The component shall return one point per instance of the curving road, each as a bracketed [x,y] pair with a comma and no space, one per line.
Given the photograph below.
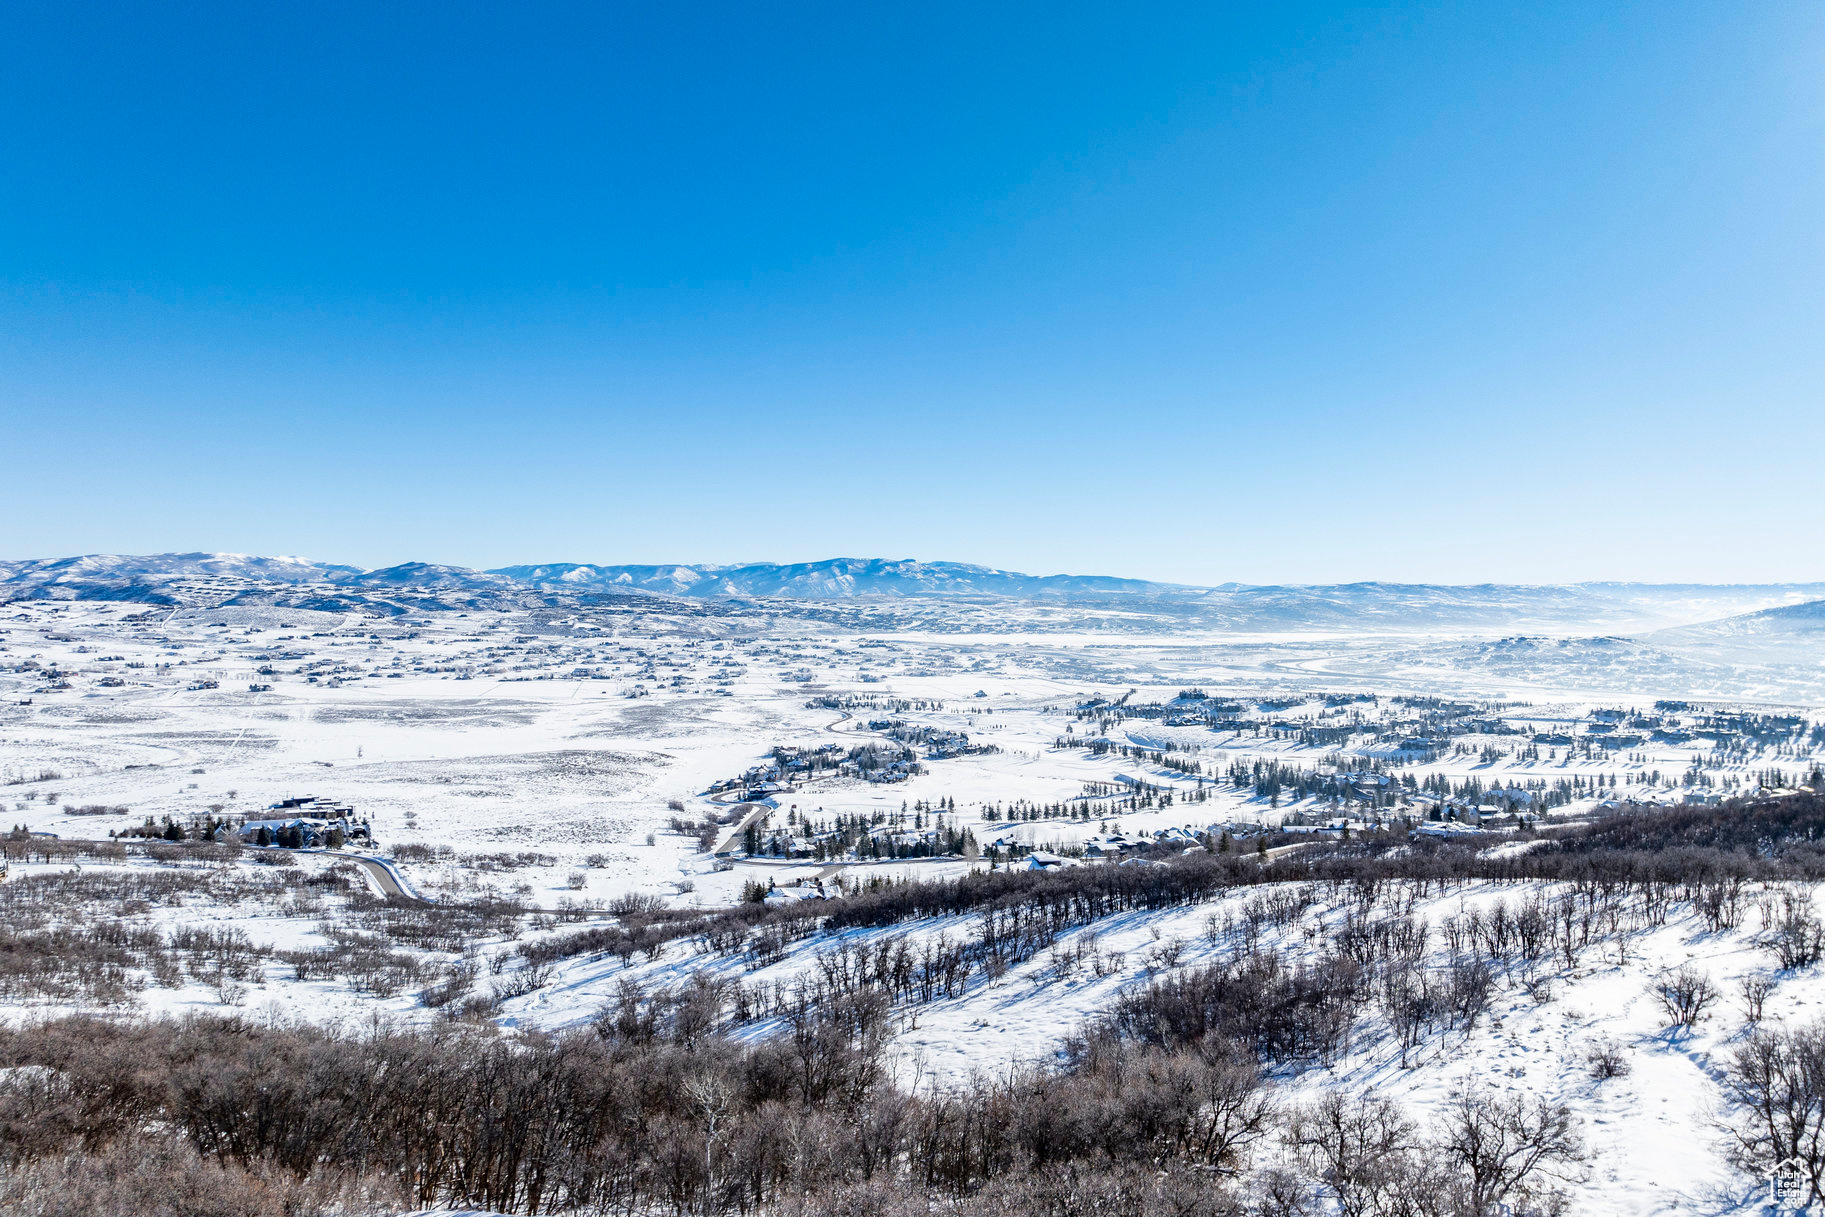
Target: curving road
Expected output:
[389,885]
[755,812]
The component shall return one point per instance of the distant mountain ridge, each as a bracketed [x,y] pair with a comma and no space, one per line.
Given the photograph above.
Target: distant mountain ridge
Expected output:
[212,579]
[833,578]
[105,568]
[1806,619]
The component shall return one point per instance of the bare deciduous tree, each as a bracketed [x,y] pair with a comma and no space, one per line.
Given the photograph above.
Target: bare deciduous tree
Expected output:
[1509,1147]
[709,1096]
[1777,1081]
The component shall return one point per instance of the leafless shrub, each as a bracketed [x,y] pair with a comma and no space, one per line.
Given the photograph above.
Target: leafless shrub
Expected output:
[634,904]
[1754,989]
[521,981]
[43,775]
[1167,955]
[1685,994]
[1607,1059]
[1411,1002]
[447,926]
[475,1007]
[1468,985]
[411,852]
[1796,936]
[366,962]
[164,1177]
[457,979]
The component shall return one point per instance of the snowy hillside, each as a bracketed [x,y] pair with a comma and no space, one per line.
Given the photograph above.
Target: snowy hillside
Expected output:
[1533,977]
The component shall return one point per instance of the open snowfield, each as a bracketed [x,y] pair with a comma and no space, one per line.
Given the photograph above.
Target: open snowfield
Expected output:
[562,760]
[570,734]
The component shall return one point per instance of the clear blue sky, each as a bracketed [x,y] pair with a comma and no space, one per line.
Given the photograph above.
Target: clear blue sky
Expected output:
[1277,292]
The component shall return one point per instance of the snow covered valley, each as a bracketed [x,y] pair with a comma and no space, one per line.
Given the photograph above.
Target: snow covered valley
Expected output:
[926,871]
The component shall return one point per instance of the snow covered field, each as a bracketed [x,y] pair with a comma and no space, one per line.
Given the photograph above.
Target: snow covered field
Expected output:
[570,735]
[564,762]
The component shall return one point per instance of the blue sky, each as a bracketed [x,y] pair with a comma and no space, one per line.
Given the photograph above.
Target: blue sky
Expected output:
[1313,293]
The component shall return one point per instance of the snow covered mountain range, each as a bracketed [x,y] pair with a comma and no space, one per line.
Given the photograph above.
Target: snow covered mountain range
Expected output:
[1719,614]
[837,578]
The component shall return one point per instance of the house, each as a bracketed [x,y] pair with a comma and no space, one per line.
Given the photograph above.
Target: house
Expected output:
[1111,844]
[311,832]
[1333,829]
[781,896]
[1443,829]
[311,805]
[311,818]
